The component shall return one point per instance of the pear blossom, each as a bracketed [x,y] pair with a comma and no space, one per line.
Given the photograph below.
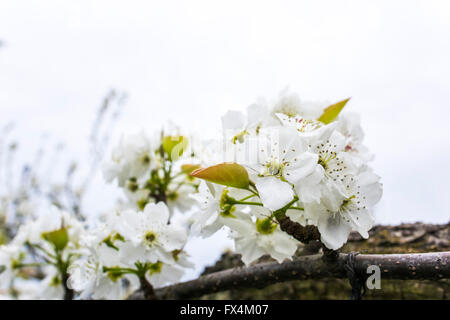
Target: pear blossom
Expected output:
[254,239]
[153,170]
[290,159]
[130,240]
[47,244]
[149,234]
[305,163]
[334,166]
[11,256]
[281,163]
[353,213]
[131,158]
[162,274]
[88,274]
[88,278]
[287,103]
[213,209]
[208,198]
[50,288]
[299,123]
[33,231]
[237,125]
[349,125]
[290,104]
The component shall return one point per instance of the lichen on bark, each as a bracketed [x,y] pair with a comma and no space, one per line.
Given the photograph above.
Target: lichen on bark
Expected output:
[404,238]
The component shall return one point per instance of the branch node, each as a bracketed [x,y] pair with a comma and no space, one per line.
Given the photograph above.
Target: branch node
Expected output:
[357,283]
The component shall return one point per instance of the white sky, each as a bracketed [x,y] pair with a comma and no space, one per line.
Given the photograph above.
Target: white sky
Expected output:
[190,61]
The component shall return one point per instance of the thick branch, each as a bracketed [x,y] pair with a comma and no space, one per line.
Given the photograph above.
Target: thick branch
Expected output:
[430,266]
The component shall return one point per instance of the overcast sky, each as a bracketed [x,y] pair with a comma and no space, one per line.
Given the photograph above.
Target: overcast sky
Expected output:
[190,61]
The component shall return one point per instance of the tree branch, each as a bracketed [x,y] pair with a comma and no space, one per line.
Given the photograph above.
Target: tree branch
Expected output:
[147,289]
[299,232]
[430,266]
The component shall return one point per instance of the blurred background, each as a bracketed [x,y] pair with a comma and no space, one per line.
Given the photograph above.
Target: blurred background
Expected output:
[190,61]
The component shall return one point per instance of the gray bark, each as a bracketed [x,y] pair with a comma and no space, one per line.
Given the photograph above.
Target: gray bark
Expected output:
[418,266]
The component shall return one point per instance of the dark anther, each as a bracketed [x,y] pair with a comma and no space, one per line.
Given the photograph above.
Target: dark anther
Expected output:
[357,283]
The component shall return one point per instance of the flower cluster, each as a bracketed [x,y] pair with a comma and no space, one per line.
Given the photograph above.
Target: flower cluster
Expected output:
[308,171]
[34,264]
[139,243]
[133,246]
[290,172]
[153,170]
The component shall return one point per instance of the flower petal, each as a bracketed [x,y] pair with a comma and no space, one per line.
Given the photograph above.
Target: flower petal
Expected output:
[333,231]
[300,167]
[173,237]
[273,192]
[157,213]
[249,249]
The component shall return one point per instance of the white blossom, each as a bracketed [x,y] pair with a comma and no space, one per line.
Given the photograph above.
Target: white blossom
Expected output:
[131,158]
[208,219]
[254,239]
[353,213]
[281,163]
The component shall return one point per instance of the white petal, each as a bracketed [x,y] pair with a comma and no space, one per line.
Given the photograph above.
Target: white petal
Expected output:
[273,192]
[260,212]
[158,212]
[332,196]
[313,212]
[210,229]
[256,114]
[300,167]
[242,227]
[309,194]
[370,187]
[130,253]
[319,135]
[309,188]
[285,245]
[361,221]
[287,120]
[249,250]
[130,224]
[173,237]
[290,141]
[337,141]
[333,231]
[203,218]
[297,216]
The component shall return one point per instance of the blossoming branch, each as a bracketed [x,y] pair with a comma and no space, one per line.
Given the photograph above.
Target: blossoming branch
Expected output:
[281,175]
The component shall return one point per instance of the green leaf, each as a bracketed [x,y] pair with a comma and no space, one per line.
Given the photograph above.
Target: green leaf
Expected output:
[2,268]
[59,238]
[3,237]
[331,112]
[174,146]
[227,174]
